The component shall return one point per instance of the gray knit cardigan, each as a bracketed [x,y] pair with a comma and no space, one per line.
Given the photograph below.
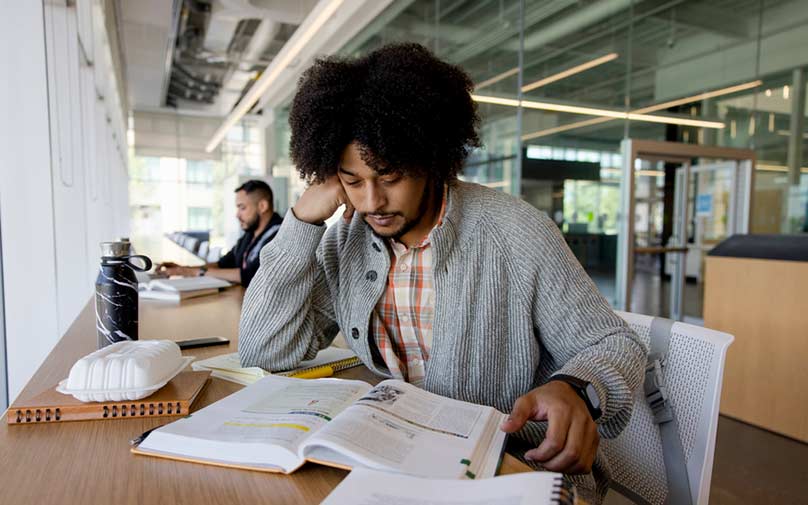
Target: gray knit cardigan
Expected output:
[512,307]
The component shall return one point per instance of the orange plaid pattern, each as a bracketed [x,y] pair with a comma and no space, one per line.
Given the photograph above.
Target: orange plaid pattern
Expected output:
[402,318]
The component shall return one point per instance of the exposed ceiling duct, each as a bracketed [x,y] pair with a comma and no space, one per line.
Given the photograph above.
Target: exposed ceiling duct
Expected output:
[223,46]
[242,73]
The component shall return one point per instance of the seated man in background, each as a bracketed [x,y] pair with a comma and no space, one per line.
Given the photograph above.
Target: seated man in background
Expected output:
[462,290]
[255,212]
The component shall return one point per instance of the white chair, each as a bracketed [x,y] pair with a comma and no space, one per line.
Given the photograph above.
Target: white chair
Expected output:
[214,254]
[693,372]
[191,243]
[202,252]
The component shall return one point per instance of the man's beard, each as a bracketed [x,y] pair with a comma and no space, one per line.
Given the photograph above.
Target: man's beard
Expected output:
[251,226]
[423,207]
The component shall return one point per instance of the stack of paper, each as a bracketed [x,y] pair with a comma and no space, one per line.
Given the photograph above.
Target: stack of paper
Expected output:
[181,288]
[228,366]
[373,487]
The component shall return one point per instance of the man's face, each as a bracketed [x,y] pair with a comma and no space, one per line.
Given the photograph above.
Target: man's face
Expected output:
[392,204]
[246,211]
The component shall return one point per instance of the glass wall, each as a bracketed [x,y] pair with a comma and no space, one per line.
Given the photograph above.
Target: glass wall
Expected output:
[560,83]
[168,194]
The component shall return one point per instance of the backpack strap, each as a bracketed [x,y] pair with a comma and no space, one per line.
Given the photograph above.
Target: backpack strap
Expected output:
[656,394]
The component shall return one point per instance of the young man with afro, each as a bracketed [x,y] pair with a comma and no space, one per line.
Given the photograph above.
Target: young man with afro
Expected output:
[465,291]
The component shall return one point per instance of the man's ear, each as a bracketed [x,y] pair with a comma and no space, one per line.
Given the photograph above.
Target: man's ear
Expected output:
[263,207]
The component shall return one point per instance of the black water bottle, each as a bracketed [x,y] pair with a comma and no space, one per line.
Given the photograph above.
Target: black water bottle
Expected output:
[116,293]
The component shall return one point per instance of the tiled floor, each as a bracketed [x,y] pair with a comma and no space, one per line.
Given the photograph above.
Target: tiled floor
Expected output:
[756,466]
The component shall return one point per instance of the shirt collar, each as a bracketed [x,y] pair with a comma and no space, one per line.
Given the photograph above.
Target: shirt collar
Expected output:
[400,248]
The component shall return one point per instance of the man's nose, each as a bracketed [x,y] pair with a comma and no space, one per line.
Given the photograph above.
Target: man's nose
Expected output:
[375,198]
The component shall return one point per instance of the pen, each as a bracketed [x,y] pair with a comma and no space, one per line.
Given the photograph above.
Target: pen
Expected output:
[139,439]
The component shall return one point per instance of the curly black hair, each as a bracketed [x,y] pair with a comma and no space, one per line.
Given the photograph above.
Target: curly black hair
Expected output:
[410,113]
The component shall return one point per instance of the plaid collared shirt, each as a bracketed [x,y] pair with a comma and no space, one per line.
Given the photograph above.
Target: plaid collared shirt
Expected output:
[402,319]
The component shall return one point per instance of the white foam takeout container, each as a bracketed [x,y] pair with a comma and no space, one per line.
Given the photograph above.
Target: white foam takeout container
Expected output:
[124,371]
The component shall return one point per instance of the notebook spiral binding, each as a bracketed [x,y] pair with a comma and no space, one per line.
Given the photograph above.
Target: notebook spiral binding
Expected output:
[132,410]
[37,415]
[563,492]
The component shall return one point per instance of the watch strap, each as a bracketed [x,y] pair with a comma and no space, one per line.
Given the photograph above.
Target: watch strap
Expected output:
[579,386]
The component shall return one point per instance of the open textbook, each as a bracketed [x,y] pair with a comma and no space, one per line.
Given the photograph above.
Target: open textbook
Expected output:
[279,423]
[372,487]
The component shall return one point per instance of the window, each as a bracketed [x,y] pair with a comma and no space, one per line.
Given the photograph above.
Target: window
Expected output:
[199,218]
[200,172]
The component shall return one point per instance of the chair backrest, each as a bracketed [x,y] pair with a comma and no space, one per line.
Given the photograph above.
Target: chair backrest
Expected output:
[693,372]
[214,254]
[191,243]
[202,252]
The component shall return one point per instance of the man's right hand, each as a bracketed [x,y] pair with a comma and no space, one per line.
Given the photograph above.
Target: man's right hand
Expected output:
[320,201]
[167,269]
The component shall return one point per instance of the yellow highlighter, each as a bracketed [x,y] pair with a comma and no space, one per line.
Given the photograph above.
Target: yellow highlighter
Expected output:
[314,373]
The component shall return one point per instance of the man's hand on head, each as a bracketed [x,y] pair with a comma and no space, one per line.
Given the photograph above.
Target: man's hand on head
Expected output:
[320,201]
[167,269]
[572,438]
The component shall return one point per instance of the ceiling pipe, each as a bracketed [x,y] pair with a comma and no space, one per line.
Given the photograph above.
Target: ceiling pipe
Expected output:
[234,85]
[575,22]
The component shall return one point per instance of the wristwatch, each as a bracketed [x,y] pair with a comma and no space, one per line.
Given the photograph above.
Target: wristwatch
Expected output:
[585,390]
[202,270]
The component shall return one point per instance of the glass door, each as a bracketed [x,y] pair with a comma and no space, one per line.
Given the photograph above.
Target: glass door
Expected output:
[710,202]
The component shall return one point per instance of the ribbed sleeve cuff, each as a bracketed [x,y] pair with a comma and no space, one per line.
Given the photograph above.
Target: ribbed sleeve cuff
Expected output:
[613,393]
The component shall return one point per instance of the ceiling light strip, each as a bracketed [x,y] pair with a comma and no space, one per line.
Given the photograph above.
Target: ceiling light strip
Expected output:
[497,78]
[570,71]
[651,108]
[591,111]
[563,128]
[701,96]
[289,52]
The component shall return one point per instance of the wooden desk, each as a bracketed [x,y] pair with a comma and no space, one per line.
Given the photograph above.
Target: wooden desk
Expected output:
[161,248]
[89,462]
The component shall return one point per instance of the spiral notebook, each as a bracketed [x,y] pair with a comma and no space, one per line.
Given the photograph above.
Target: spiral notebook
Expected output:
[374,487]
[173,399]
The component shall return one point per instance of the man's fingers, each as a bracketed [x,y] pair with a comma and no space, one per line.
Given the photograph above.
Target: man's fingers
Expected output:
[342,197]
[523,409]
[349,210]
[558,427]
[577,454]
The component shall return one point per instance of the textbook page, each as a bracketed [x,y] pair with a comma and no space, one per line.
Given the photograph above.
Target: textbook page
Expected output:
[399,427]
[262,425]
[372,487]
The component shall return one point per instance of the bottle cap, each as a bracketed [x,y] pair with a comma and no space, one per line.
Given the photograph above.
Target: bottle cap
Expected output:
[114,249]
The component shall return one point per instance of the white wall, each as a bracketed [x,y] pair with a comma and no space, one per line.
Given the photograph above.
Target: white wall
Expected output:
[63,170]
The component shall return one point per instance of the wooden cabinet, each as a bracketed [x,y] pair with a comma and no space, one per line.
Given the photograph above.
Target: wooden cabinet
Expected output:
[764,303]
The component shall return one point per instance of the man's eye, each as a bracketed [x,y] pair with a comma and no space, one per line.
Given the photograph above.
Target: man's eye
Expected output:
[392,180]
[352,183]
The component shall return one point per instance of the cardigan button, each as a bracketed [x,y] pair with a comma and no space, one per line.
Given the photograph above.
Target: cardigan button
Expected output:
[355,332]
[371,276]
